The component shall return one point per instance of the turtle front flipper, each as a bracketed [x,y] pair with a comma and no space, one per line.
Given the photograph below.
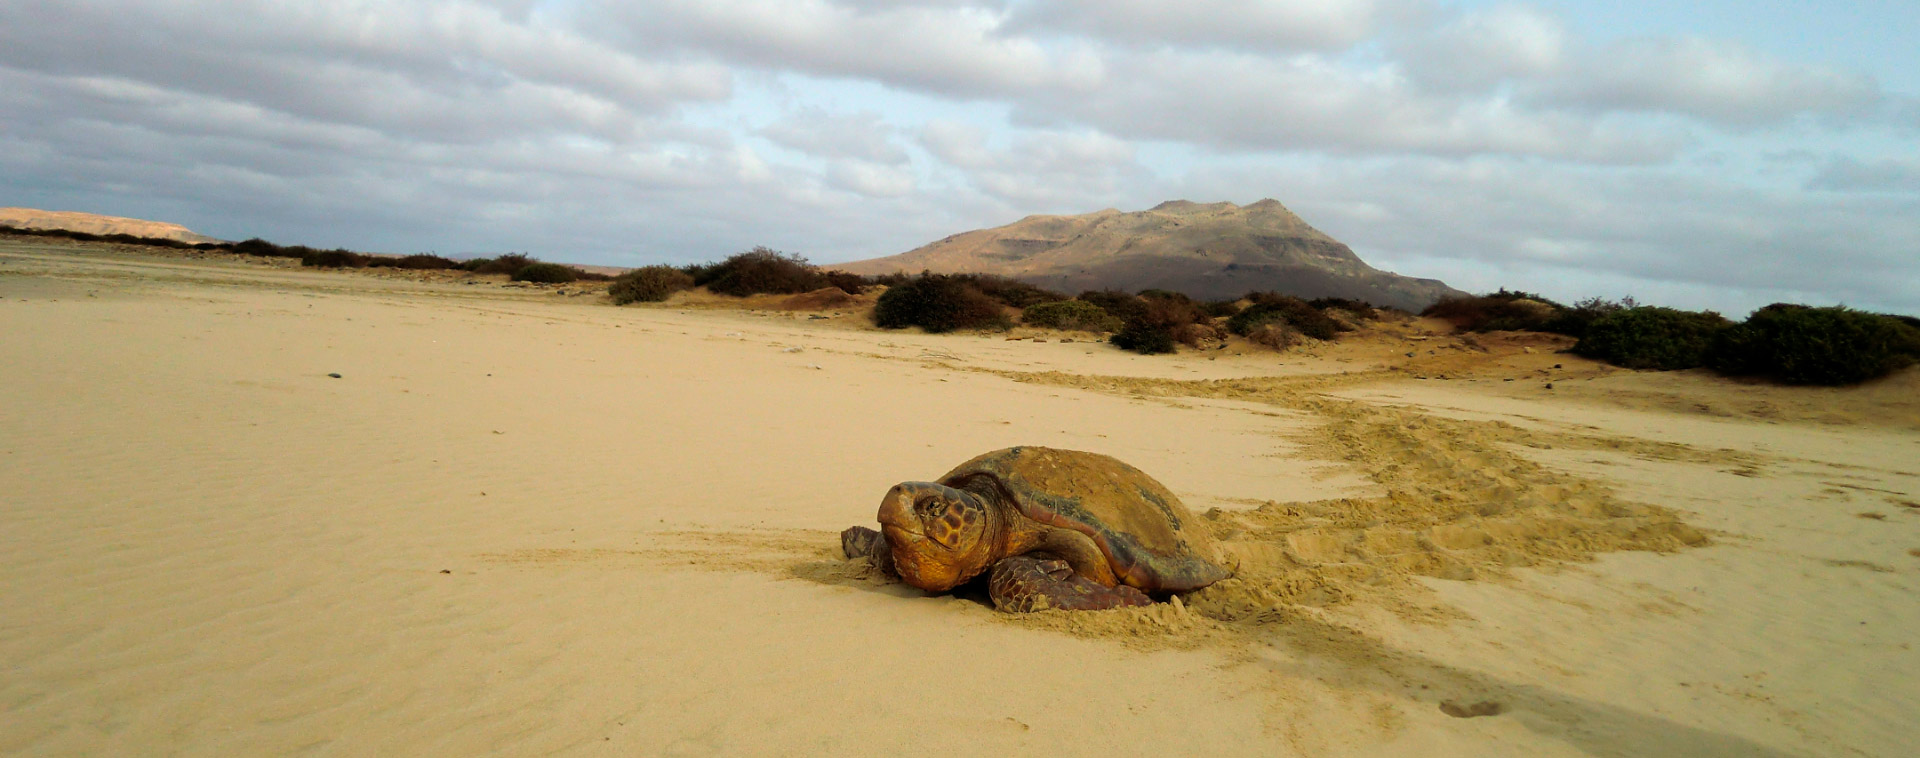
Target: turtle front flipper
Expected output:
[861,542]
[1024,583]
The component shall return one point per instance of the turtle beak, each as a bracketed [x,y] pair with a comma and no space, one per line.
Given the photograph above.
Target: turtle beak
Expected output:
[896,511]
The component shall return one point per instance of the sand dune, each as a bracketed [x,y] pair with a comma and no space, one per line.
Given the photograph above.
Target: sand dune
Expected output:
[526,523]
[94,223]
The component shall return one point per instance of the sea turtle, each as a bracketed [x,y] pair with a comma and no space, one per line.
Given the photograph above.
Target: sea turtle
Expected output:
[1057,529]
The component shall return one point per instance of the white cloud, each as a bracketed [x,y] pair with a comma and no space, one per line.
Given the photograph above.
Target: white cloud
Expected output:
[1722,82]
[1482,49]
[1246,102]
[1719,81]
[815,131]
[870,179]
[1884,175]
[945,48]
[1050,170]
[1283,25]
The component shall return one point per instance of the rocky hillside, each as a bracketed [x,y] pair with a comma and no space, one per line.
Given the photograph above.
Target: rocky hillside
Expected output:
[1209,251]
[29,218]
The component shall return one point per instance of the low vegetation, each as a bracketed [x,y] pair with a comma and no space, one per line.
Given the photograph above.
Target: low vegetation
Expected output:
[1271,308]
[1783,342]
[333,259]
[938,303]
[1500,311]
[1793,344]
[648,284]
[1797,344]
[1651,338]
[1077,315]
[546,273]
[759,271]
[419,262]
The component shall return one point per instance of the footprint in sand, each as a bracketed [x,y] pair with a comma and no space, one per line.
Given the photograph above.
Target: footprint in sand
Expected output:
[1482,708]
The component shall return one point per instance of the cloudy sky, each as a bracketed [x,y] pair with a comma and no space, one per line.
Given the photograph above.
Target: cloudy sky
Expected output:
[1715,153]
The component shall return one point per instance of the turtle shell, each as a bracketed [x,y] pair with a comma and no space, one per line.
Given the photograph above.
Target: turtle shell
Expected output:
[1150,539]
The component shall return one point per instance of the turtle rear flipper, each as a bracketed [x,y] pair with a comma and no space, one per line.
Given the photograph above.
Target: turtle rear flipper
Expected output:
[1035,582]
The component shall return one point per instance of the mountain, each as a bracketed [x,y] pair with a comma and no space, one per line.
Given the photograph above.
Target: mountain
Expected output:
[1209,251]
[29,218]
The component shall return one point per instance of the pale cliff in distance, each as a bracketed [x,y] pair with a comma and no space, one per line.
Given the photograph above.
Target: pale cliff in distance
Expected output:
[1208,251]
[91,223]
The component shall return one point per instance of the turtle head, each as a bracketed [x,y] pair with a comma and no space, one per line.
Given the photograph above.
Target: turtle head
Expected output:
[940,535]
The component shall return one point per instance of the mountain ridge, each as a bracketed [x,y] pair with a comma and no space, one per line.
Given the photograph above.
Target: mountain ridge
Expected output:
[1207,250]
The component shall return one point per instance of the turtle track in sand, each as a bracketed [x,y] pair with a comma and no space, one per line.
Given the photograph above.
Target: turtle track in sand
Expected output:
[1455,501]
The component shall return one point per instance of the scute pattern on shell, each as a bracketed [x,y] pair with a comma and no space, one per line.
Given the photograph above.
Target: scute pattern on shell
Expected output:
[1150,539]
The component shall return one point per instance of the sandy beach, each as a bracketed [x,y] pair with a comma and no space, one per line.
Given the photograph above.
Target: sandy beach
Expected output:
[525,522]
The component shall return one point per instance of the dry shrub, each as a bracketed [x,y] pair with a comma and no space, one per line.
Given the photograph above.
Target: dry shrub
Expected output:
[1500,311]
[505,264]
[1010,292]
[852,284]
[333,259]
[265,249]
[648,284]
[1195,335]
[938,303]
[1144,338]
[1361,309]
[1163,319]
[1275,335]
[760,271]
[1269,308]
[418,262]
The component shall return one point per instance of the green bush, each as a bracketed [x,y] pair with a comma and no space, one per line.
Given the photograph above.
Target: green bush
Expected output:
[333,259]
[1071,314]
[1268,308]
[760,271]
[1575,321]
[546,273]
[1797,344]
[938,303]
[648,284]
[1120,305]
[1652,338]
